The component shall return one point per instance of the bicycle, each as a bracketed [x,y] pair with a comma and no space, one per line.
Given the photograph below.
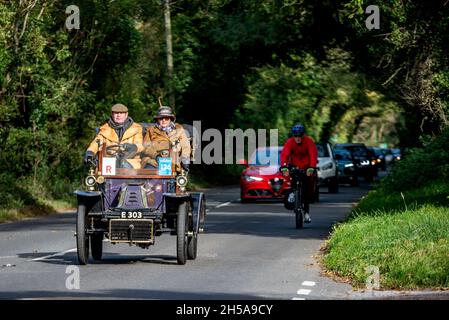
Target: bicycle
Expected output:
[298,190]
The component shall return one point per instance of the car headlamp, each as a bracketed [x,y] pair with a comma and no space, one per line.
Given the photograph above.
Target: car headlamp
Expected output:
[181,181]
[90,181]
[252,178]
[327,166]
[365,163]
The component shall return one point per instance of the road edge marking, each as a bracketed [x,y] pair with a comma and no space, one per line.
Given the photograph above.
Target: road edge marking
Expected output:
[304,291]
[54,255]
[222,205]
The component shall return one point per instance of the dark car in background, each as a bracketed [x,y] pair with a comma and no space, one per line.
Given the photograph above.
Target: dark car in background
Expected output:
[261,179]
[347,173]
[362,158]
[397,154]
[379,157]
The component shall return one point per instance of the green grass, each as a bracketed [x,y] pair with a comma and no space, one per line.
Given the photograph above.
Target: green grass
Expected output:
[410,248]
[381,202]
[24,198]
[40,208]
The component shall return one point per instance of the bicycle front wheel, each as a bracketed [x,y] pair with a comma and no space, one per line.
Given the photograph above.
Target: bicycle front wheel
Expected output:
[299,211]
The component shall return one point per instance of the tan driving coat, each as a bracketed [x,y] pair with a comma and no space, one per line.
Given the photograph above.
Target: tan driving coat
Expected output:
[107,136]
[156,140]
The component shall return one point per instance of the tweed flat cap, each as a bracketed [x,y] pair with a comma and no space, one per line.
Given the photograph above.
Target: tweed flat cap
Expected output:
[119,108]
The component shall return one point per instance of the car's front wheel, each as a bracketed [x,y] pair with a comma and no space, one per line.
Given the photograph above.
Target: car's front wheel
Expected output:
[181,232]
[82,239]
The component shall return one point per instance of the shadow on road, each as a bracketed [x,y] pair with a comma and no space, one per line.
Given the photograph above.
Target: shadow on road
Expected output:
[70,258]
[126,294]
[53,221]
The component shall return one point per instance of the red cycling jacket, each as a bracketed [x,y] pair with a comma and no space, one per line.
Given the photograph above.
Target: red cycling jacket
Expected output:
[303,156]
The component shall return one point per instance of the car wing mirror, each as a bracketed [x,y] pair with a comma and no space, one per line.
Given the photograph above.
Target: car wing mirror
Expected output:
[243,162]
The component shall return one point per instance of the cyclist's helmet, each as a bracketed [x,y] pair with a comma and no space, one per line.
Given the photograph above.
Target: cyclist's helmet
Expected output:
[298,130]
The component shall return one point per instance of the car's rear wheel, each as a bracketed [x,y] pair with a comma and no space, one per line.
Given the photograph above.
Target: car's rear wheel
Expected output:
[192,246]
[202,215]
[82,239]
[181,228]
[96,245]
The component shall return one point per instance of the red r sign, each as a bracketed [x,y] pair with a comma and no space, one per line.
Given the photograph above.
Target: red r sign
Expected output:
[109,169]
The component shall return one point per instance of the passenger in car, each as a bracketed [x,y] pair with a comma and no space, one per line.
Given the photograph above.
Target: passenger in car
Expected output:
[166,135]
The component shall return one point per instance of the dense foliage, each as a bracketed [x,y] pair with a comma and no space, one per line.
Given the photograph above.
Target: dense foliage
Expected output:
[259,64]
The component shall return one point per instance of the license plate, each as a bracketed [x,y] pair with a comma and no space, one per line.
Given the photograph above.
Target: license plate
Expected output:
[131,215]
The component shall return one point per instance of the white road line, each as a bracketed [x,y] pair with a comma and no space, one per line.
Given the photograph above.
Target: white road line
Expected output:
[54,255]
[8,257]
[298,298]
[222,205]
[308,283]
[304,291]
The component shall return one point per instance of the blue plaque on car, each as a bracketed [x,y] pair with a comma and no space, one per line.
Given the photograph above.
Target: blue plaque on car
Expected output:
[164,166]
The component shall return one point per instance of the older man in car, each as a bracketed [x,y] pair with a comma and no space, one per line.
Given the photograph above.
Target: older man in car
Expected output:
[120,131]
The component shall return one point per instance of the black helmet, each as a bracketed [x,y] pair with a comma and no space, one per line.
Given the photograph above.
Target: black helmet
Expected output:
[298,130]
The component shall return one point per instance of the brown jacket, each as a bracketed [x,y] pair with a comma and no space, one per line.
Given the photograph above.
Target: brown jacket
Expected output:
[156,140]
[108,136]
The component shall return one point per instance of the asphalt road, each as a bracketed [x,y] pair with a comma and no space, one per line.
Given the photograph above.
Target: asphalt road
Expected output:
[247,251]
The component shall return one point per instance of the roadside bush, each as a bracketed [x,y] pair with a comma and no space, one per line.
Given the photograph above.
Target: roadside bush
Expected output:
[420,166]
[17,200]
[12,194]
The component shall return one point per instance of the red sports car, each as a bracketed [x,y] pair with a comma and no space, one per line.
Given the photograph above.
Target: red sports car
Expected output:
[261,179]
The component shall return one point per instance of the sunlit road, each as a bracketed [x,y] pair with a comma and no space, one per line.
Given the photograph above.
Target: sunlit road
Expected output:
[247,251]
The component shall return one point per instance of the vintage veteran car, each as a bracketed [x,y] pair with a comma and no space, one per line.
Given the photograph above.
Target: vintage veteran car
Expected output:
[125,203]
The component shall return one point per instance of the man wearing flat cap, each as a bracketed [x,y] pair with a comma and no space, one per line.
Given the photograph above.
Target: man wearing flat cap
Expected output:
[119,130]
[166,134]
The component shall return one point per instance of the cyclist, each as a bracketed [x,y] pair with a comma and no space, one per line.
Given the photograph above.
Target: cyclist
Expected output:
[300,151]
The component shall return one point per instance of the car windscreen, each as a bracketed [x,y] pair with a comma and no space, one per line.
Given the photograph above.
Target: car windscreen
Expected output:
[345,154]
[137,160]
[360,153]
[266,157]
[323,151]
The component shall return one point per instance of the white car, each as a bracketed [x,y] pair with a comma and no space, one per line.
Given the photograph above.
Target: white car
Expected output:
[327,167]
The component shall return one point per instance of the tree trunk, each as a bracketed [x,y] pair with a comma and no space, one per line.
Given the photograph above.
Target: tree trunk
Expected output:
[168,41]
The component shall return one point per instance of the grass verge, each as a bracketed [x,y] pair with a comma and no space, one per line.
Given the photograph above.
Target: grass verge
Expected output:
[25,198]
[410,248]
